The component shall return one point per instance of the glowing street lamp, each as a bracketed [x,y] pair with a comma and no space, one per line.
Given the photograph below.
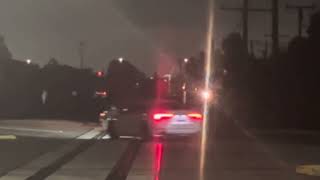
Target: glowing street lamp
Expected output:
[120,59]
[186,60]
[28,61]
[206,95]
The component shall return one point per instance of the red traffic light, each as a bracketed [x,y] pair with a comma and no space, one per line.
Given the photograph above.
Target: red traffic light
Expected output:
[100,74]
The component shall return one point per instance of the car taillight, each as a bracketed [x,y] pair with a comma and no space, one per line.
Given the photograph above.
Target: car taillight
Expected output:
[102,114]
[162,116]
[195,116]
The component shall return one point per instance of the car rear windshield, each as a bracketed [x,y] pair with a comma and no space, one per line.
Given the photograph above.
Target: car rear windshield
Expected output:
[172,105]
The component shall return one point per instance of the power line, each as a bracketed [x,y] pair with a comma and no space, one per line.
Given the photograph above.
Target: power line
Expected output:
[245,15]
[300,14]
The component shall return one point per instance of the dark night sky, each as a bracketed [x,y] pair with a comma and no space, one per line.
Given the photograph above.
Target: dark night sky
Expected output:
[150,33]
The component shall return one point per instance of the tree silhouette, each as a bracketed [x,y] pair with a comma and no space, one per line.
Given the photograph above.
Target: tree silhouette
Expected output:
[53,61]
[235,54]
[236,61]
[5,54]
[314,28]
[122,78]
[297,44]
[195,68]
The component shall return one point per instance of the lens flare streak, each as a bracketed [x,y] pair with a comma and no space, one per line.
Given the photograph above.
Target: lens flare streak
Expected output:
[208,60]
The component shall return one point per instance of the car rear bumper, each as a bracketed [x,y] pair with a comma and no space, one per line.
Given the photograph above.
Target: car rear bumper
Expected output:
[180,136]
[166,132]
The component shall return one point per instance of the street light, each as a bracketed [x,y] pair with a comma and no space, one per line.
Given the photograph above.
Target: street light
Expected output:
[184,86]
[28,61]
[186,60]
[120,59]
[206,95]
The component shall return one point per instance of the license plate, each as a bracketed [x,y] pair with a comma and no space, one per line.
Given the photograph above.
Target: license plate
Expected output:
[181,120]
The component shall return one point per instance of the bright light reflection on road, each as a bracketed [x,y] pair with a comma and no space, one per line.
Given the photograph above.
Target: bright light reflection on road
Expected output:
[158,147]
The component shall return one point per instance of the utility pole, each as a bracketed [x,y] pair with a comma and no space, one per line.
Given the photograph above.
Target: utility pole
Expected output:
[300,10]
[275,27]
[245,15]
[252,48]
[82,47]
[266,50]
[275,22]
[245,24]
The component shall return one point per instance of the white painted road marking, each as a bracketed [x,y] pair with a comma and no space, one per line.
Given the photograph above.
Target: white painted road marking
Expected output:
[8,137]
[48,158]
[29,129]
[107,136]
[130,137]
[90,134]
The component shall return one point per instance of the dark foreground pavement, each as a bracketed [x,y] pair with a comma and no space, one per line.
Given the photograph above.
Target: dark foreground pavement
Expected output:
[33,138]
[15,153]
[62,150]
[231,153]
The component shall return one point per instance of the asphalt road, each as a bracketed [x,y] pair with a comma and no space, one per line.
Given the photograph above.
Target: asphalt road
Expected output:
[231,152]
[15,153]
[32,139]
[69,150]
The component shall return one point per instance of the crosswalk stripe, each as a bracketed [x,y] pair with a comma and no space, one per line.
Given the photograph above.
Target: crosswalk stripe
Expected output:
[8,137]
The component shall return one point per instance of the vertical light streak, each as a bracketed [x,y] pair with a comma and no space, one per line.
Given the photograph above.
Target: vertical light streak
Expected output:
[208,61]
[158,160]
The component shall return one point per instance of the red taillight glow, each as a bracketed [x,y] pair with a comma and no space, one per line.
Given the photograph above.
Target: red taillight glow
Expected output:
[99,74]
[101,93]
[158,159]
[161,116]
[195,116]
